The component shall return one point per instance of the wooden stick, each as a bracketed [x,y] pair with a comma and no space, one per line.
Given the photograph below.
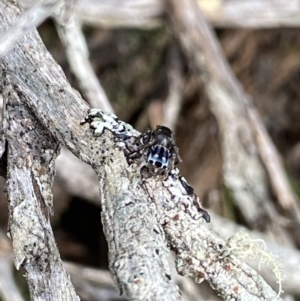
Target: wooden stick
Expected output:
[140,216]
[220,13]
[77,53]
[243,173]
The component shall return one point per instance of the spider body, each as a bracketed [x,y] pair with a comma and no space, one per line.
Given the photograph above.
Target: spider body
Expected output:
[160,151]
[159,156]
[155,152]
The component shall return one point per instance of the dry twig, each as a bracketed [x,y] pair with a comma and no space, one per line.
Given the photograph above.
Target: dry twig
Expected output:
[277,175]
[77,52]
[30,177]
[243,172]
[139,216]
[141,14]
[26,22]
[220,13]
[174,100]
[137,271]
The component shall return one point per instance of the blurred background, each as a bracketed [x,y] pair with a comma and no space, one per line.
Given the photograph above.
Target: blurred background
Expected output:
[135,65]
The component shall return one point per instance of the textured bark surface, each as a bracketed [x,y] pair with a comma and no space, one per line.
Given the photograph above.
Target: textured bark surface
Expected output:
[34,75]
[140,216]
[137,247]
[220,13]
[243,172]
[241,165]
[78,56]
[31,156]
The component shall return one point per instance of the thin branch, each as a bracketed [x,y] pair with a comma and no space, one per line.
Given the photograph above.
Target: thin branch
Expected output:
[288,258]
[199,249]
[93,284]
[26,22]
[100,277]
[140,14]
[150,13]
[220,13]
[30,177]
[138,270]
[251,13]
[243,172]
[139,216]
[77,52]
[85,185]
[174,100]
[81,181]
[272,161]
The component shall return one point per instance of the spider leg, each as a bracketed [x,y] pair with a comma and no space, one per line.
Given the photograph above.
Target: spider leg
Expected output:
[177,159]
[137,152]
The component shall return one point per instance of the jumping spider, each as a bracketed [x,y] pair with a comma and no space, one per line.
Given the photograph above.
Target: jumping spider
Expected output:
[159,150]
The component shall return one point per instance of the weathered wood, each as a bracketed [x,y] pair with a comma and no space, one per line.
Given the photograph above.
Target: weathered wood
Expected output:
[31,155]
[72,37]
[140,14]
[138,270]
[288,258]
[199,249]
[33,17]
[220,13]
[174,99]
[140,216]
[243,173]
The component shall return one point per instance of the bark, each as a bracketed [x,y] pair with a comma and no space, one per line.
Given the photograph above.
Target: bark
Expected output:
[30,174]
[243,173]
[220,13]
[174,99]
[140,216]
[288,258]
[77,53]
[137,268]
[26,21]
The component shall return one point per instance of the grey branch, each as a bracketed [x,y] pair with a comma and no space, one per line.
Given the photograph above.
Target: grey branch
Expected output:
[141,13]
[140,217]
[220,13]
[271,158]
[29,183]
[174,100]
[288,257]
[144,275]
[94,284]
[27,21]
[73,39]
[243,173]
[83,183]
